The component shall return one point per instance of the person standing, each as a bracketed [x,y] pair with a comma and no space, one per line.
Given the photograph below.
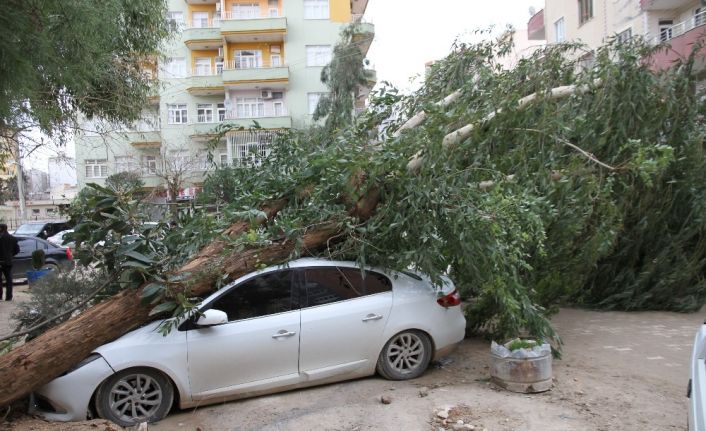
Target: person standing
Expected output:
[8,248]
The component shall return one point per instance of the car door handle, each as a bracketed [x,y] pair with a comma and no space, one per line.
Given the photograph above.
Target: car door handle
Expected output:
[372,316]
[283,333]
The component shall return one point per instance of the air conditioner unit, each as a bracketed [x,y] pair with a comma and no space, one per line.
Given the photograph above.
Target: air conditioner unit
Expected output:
[266,94]
[275,48]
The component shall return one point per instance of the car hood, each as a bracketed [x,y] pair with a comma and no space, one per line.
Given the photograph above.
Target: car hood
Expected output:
[144,335]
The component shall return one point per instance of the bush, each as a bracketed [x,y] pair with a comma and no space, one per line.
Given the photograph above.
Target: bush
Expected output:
[54,294]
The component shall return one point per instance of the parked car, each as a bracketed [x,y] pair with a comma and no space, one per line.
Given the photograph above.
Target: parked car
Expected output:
[41,229]
[307,323]
[696,390]
[58,238]
[56,256]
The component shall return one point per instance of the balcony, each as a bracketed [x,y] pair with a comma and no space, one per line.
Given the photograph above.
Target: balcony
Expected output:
[256,27]
[267,117]
[142,140]
[203,35]
[364,34]
[535,27]
[664,4]
[206,81]
[254,76]
[680,39]
[358,6]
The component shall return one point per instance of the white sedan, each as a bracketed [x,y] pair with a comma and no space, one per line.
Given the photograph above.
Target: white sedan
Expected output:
[306,323]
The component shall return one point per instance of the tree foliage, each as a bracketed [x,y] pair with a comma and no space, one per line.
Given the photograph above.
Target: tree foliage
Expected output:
[595,198]
[343,75]
[59,58]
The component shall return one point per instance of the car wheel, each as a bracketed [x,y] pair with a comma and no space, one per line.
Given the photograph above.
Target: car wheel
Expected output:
[405,356]
[51,266]
[133,396]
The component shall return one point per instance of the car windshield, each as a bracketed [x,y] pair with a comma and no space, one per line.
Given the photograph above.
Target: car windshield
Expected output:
[29,229]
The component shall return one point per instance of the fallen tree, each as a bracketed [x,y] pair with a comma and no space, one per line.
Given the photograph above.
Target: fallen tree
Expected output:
[525,184]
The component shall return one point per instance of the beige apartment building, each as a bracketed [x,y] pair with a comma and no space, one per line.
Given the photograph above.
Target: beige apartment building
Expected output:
[677,22]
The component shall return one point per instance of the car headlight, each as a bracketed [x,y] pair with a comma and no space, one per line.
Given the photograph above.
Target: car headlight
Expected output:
[92,357]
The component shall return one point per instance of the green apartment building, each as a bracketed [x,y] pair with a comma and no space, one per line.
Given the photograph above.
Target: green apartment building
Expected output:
[235,62]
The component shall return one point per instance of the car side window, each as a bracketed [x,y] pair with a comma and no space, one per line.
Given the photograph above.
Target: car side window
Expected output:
[333,284]
[27,246]
[266,294]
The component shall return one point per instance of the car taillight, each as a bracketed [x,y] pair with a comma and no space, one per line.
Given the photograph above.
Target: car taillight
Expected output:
[69,255]
[450,300]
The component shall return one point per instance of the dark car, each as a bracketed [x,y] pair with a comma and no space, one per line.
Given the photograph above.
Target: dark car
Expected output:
[42,229]
[56,256]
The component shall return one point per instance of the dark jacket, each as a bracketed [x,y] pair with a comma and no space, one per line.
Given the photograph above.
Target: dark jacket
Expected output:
[8,248]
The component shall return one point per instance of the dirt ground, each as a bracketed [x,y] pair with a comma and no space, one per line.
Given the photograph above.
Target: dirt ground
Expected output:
[620,371]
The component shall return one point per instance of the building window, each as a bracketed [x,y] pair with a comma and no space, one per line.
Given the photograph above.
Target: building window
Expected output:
[316,9]
[278,108]
[249,148]
[273,8]
[223,159]
[96,168]
[204,113]
[585,10]
[313,101]
[125,164]
[699,16]
[199,20]
[175,67]
[249,59]
[246,10]
[624,36]
[247,107]
[560,30]
[149,165]
[175,18]
[665,29]
[177,114]
[221,112]
[202,66]
[318,55]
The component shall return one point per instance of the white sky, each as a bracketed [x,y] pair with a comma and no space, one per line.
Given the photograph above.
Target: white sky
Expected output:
[409,33]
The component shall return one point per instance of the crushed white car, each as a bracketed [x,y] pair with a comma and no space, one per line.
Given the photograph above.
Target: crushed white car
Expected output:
[306,323]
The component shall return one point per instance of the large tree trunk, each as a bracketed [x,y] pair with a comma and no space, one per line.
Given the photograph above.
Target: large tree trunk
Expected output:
[44,358]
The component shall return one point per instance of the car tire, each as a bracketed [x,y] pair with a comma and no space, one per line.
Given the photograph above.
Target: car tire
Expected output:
[133,396]
[405,356]
[50,266]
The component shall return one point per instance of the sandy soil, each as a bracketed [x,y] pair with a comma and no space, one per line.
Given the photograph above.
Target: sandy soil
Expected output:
[620,371]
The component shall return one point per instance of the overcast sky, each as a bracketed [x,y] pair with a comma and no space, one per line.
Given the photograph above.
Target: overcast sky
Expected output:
[409,33]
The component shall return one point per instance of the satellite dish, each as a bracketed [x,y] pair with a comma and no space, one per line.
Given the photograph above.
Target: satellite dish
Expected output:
[532,10]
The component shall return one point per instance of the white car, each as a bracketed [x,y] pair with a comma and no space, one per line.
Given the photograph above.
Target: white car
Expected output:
[306,323]
[697,383]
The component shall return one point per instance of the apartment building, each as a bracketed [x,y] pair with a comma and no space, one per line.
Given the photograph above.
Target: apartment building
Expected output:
[236,62]
[678,22]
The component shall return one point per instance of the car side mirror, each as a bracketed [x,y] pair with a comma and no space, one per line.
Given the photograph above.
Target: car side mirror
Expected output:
[212,318]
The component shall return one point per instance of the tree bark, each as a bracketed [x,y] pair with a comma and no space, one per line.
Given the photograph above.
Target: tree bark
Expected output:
[46,357]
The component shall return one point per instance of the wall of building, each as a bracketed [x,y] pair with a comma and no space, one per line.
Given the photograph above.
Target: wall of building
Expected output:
[193,136]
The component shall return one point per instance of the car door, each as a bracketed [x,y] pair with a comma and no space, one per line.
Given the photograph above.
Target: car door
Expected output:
[343,319]
[259,345]
[22,261]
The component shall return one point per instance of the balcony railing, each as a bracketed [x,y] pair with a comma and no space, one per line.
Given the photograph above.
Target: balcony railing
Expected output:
[668,33]
[204,23]
[251,64]
[250,14]
[257,112]
[207,70]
